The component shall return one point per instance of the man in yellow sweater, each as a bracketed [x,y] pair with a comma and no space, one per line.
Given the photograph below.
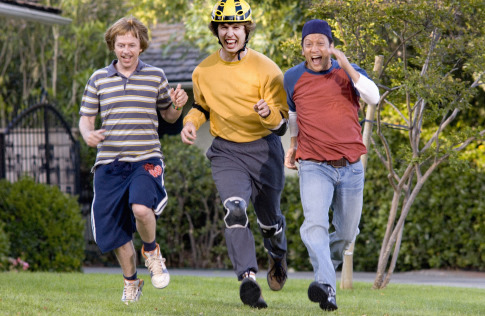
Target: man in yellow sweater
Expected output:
[241,92]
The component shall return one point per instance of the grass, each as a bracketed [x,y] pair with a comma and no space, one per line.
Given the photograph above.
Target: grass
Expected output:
[27,293]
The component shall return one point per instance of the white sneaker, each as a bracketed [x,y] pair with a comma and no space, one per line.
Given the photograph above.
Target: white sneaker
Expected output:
[132,291]
[156,266]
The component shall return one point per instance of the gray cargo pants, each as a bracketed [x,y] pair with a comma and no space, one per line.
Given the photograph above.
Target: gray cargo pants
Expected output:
[254,172]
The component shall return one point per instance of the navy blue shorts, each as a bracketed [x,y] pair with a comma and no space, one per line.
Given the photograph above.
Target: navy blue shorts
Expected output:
[117,186]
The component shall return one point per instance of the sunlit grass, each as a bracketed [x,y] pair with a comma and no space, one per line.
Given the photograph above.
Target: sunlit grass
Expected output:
[100,294]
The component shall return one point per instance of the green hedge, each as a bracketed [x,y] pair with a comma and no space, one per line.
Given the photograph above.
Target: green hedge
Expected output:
[44,226]
[444,228]
[4,248]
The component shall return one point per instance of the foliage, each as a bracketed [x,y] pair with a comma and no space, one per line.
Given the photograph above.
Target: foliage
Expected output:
[43,224]
[4,247]
[444,229]
[451,232]
[18,264]
[23,66]
[151,12]
[191,228]
[55,62]
[398,30]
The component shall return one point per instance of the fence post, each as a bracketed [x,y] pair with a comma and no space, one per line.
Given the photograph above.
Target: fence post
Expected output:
[347,266]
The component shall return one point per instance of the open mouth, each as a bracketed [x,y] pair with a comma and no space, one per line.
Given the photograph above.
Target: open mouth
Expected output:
[125,58]
[231,43]
[317,60]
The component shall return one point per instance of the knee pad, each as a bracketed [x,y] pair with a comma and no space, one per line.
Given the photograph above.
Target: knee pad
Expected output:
[236,215]
[270,231]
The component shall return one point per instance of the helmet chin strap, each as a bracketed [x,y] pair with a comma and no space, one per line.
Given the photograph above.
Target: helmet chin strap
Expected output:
[240,51]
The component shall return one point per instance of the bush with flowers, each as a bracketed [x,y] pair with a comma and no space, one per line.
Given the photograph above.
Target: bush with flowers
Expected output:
[18,264]
[43,226]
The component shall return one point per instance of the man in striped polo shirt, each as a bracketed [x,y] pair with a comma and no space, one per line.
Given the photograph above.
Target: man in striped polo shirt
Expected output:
[129,192]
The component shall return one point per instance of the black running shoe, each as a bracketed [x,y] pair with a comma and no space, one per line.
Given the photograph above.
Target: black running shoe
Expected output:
[250,293]
[323,294]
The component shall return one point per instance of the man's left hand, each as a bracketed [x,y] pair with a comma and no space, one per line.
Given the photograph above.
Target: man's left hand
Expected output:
[179,97]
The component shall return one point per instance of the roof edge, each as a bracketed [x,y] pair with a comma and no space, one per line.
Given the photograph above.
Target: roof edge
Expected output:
[10,10]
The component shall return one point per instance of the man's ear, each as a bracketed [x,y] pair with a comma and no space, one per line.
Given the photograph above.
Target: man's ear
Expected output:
[302,52]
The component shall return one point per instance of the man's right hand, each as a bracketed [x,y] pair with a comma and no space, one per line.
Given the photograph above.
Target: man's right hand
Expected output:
[188,133]
[290,159]
[93,138]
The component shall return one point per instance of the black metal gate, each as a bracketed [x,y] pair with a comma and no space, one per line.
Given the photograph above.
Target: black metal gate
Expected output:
[39,143]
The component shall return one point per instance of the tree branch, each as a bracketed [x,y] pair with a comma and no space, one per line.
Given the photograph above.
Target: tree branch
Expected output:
[398,112]
[440,128]
[394,53]
[477,82]
[468,141]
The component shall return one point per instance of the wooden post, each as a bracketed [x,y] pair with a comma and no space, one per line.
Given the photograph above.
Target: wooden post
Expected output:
[347,266]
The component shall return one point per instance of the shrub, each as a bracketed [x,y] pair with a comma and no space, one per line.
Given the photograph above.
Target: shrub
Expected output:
[43,224]
[444,228]
[447,228]
[4,247]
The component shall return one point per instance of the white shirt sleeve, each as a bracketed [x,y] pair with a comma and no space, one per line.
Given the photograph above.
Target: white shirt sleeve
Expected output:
[293,124]
[367,89]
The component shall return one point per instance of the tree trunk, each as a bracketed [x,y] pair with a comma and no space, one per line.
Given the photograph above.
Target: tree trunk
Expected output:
[394,240]
[193,245]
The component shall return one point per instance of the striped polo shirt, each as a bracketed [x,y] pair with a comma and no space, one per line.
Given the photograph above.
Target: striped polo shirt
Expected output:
[128,109]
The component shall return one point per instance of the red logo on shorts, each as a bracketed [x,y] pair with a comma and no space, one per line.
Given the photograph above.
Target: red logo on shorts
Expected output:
[155,171]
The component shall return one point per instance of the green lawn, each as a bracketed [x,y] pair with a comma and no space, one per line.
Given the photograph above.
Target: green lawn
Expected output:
[99,294]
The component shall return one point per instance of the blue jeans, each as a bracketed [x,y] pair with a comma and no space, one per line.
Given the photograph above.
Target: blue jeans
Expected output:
[323,187]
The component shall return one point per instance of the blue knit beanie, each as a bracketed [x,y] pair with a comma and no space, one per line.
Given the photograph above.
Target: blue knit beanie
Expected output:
[318,27]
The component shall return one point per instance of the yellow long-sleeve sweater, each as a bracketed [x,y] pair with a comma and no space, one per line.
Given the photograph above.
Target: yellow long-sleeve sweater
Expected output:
[229,91]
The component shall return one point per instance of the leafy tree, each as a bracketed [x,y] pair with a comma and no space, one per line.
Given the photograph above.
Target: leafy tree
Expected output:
[153,11]
[43,62]
[23,65]
[433,66]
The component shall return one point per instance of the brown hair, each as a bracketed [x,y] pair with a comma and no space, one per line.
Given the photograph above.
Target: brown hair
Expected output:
[249,27]
[127,25]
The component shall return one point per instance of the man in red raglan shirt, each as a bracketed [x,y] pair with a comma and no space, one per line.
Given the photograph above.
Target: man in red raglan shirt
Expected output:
[326,141]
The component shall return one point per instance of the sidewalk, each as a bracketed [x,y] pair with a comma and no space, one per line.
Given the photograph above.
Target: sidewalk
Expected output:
[422,277]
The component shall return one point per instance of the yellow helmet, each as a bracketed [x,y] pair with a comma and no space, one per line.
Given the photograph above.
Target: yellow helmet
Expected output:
[231,11]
